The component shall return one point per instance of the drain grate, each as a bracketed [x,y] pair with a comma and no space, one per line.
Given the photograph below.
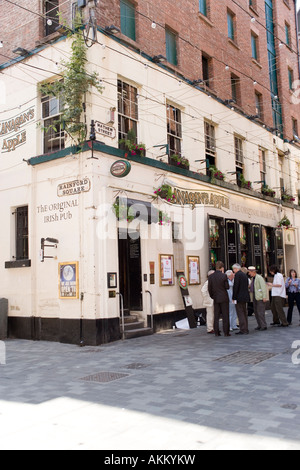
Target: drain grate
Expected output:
[136,366]
[246,357]
[104,377]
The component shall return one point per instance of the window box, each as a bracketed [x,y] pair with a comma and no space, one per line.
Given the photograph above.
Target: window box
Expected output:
[179,162]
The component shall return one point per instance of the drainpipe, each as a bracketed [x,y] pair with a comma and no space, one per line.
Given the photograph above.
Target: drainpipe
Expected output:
[297,32]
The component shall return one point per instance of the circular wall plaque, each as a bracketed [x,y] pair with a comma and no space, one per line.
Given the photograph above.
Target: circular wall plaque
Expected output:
[183,282]
[121,168]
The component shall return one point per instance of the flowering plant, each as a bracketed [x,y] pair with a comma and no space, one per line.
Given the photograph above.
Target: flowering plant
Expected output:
[268,191]
[288,197]
[123,212]
[164,218]
[180,162]
[285,222]
[243,183]
[165,192]
[216,174]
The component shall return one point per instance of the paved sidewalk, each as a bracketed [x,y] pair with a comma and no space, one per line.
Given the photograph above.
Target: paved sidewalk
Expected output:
[175,390]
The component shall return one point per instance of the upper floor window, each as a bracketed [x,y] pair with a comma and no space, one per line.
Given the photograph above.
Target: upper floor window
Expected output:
[231,25]
[203,7]
[171,47]
[128,26]
[174,130]
[51,9]
[127,110]
[54,135]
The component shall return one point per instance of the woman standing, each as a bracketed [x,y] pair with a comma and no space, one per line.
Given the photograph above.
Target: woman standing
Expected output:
[293,289]
[278,297]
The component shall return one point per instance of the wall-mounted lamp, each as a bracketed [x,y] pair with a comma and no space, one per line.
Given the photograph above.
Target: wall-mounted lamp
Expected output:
[54,242]
[112,29]
[159,59]
[21,51]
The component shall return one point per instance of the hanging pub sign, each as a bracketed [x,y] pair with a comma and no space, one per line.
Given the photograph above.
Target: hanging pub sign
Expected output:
[120,169]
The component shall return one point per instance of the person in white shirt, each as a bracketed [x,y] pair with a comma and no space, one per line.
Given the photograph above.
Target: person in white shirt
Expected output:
[209,304]
[278,298]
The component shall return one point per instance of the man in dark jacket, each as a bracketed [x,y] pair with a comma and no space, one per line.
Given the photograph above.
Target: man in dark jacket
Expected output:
[242,297]
[218,290]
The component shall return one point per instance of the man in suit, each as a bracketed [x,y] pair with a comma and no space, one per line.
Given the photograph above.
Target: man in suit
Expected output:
[218,287]
[241,296]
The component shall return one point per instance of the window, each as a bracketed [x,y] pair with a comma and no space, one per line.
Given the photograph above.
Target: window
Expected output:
[207,70]
[291,79]
[21,215]
[239,157]
[127,109]
[203,7]
[174,130]
[254,46]
[171,47]
[263,165]
[51,9]
[288,39]
[231,25]
[259,105]
[295,128]
[54,136]
[210,145]
[235,88]
[128,19]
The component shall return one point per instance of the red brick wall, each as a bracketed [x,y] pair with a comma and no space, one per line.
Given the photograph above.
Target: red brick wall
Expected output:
[196,35]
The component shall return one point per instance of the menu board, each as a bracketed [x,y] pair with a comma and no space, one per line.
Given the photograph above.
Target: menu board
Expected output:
[166,270]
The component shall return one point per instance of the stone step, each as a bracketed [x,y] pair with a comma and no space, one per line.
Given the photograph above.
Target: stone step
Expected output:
[131,319]
[134,325]
[138,333]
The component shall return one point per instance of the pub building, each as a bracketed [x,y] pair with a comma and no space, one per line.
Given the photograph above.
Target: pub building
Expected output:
[83,226]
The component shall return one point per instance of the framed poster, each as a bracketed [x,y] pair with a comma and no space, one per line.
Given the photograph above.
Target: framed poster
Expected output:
[193,263]
[167,270]
[69,280]
[112,282]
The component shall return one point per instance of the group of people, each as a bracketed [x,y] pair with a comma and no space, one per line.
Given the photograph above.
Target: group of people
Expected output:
[227,295]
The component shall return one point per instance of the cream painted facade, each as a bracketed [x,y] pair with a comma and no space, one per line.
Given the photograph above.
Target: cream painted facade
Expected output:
[84,223]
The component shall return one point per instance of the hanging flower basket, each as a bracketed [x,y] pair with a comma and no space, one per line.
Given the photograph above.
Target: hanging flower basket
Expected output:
[165,192]
[164,218]
[123,212]
[285,222]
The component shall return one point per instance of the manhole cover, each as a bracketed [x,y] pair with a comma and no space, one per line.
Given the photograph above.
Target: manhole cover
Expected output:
[289,407]
[136,366]
[104,377]
[246,357]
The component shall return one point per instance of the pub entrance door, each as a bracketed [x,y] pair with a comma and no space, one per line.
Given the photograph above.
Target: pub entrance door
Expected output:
[130,271]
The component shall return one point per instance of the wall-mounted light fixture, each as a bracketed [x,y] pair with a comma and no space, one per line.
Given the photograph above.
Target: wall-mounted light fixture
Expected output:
[21,51]
[159,59]
[112,29]
[54,242]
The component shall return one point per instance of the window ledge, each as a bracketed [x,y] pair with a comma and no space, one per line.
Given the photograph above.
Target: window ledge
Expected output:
[233,43]
[205,19]
[24,263]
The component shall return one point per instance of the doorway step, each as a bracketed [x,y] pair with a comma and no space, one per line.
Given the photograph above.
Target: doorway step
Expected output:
[134,328]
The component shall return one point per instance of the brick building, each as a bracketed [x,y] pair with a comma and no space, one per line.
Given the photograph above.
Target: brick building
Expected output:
[208,88]
[224,46]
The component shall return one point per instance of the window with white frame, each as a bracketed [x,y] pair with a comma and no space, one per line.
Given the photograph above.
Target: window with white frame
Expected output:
[127,110]
[239,157]
[54,135]
[210,145]
[174,124]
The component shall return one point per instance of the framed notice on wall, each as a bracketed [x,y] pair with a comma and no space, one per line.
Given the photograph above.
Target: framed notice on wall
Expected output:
[193,263]
[69,280]
[167,270]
